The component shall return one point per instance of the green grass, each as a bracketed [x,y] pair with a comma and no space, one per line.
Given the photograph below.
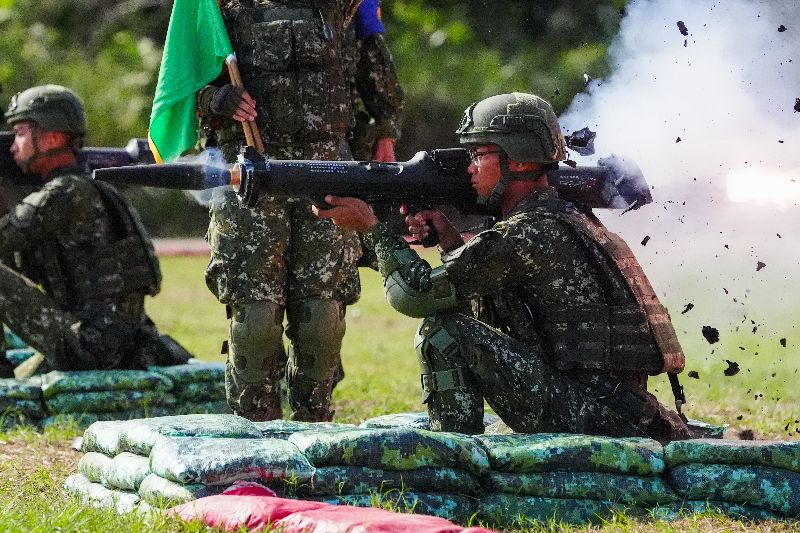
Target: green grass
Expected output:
[382,377]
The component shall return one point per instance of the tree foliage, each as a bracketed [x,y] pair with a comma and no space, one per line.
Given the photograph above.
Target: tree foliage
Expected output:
[449,53]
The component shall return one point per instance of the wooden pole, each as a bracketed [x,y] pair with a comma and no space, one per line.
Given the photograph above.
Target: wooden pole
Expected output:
[251,134]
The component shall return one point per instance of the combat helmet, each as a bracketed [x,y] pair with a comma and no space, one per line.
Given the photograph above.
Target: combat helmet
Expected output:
[523,125]
[52,107]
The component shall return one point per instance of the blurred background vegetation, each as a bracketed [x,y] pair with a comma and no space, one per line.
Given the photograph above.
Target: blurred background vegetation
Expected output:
[449,53]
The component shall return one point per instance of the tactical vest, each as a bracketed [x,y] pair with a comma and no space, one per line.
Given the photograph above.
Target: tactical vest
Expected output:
[623,335]
[292,61]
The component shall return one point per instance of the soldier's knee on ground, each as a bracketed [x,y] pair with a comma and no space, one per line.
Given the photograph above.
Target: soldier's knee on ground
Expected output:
[448,386]
[254,348]
[316,329]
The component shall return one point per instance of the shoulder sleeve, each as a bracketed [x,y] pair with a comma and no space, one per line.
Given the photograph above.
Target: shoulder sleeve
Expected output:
[377,85]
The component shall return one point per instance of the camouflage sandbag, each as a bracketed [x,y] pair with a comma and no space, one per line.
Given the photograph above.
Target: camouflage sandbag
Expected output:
[455,507]
[773,489]
[20,389]
[283,429]
[506,510]
[31,409]
[57,382]
[12,340]
[13,419]
[103,437]
[17,356]
[192,372]
[126,471]
[222,461]
[391,449]
[163,493]
[94,466]
[108,401]
[333,480]
[678,511]
[418,420]
[776,454]
[699,429]
[215,407]
[582,485]
[84,420]
[543,452]
[139,436]
[201,391]
[98,496]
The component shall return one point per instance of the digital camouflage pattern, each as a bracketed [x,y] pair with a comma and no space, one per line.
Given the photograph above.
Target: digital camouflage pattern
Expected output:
[585,485]
[86,419]
[414,420]
[191,372]
[776,454]
[507,511]
[58,382]
[84,245]
[10,407]
[283,429]
[576,453]
[94,466]
[13,342]
[202,391]
[222,461]
[361,480]
[108,401]
[305,70]
[139,436]
[391,449]
[512,275]
[163,493]
[678,511]
[773,489]
[455,507]
[17,389]
[17,356]
[203,407]
[97,495]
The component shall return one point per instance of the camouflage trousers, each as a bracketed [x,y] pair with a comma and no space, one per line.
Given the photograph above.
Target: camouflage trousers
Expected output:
[464,361]
[279,258]
[103,334]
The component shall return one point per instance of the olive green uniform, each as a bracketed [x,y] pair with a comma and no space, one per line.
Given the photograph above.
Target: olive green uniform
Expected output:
[557,337]
[301,63]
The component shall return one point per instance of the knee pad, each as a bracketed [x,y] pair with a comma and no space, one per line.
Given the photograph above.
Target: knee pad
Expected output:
[256,337]
[316,329]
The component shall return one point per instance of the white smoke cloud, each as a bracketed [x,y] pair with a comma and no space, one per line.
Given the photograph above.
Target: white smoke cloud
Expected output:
[727,90]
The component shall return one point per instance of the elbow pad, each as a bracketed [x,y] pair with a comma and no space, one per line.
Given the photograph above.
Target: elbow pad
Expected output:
[419,304]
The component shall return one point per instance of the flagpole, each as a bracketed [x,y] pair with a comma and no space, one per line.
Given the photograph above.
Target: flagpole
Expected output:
[251,134]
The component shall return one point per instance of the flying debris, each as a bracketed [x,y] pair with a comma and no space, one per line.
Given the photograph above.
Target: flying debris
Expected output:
[688,308]
[733,368]
[693,374]
[582,141]
[711,334]
[797,105]
[586,79]
[645,240]
[677,140]
[682,27]
[783,342]
[760,265]
[781,28]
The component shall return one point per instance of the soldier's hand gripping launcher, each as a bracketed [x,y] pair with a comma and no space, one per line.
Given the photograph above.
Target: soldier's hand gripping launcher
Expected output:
[438,177]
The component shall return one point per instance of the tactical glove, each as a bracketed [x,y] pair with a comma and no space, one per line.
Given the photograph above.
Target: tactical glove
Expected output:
[219,101]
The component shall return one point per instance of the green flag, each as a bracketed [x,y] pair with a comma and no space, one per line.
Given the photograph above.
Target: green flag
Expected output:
[194,53]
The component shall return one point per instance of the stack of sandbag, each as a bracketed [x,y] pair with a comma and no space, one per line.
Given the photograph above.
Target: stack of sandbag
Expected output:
[417,420]
[92,395]
[575,478]
[17,352]
[403,468]
[283,429]
[170,460]
[751,479]
[198,386]
[20,403]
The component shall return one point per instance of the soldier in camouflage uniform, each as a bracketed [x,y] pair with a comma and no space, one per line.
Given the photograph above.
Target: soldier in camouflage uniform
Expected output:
[83,243]
[301,61]
[564,327]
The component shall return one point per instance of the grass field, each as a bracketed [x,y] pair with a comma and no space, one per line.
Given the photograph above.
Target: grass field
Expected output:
[382,377]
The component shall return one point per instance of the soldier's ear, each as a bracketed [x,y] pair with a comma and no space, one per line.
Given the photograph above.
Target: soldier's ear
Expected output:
[517,166]
[49,140]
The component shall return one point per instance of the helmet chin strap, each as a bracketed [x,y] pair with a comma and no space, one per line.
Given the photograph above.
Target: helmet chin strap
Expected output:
[506,176]
[39,154]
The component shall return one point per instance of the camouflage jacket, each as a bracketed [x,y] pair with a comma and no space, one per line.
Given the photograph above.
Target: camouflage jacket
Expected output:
[78,240]
[302,63]
[535,278]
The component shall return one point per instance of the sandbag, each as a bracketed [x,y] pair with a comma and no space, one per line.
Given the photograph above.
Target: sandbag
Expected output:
[27,408]
[94,466]
[17,356]
[84,420]
[213,407]
[582,485]
[776,454]
[103,437]
[456,507]
[12,340]
[20,389]
[331,480]
[201,391]
[108,401]
[418,420]
[126,471]
[163,493]
[507,510]
[391,449]
[233,512]
[678,511]
[774,489]
[222,461]
[98,496]
[543,452]
[283,429]
[58,382]
[192,372]
[139,436]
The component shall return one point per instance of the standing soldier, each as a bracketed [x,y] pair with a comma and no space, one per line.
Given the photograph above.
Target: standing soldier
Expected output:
[564,328]
[83,243]
[299,60]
